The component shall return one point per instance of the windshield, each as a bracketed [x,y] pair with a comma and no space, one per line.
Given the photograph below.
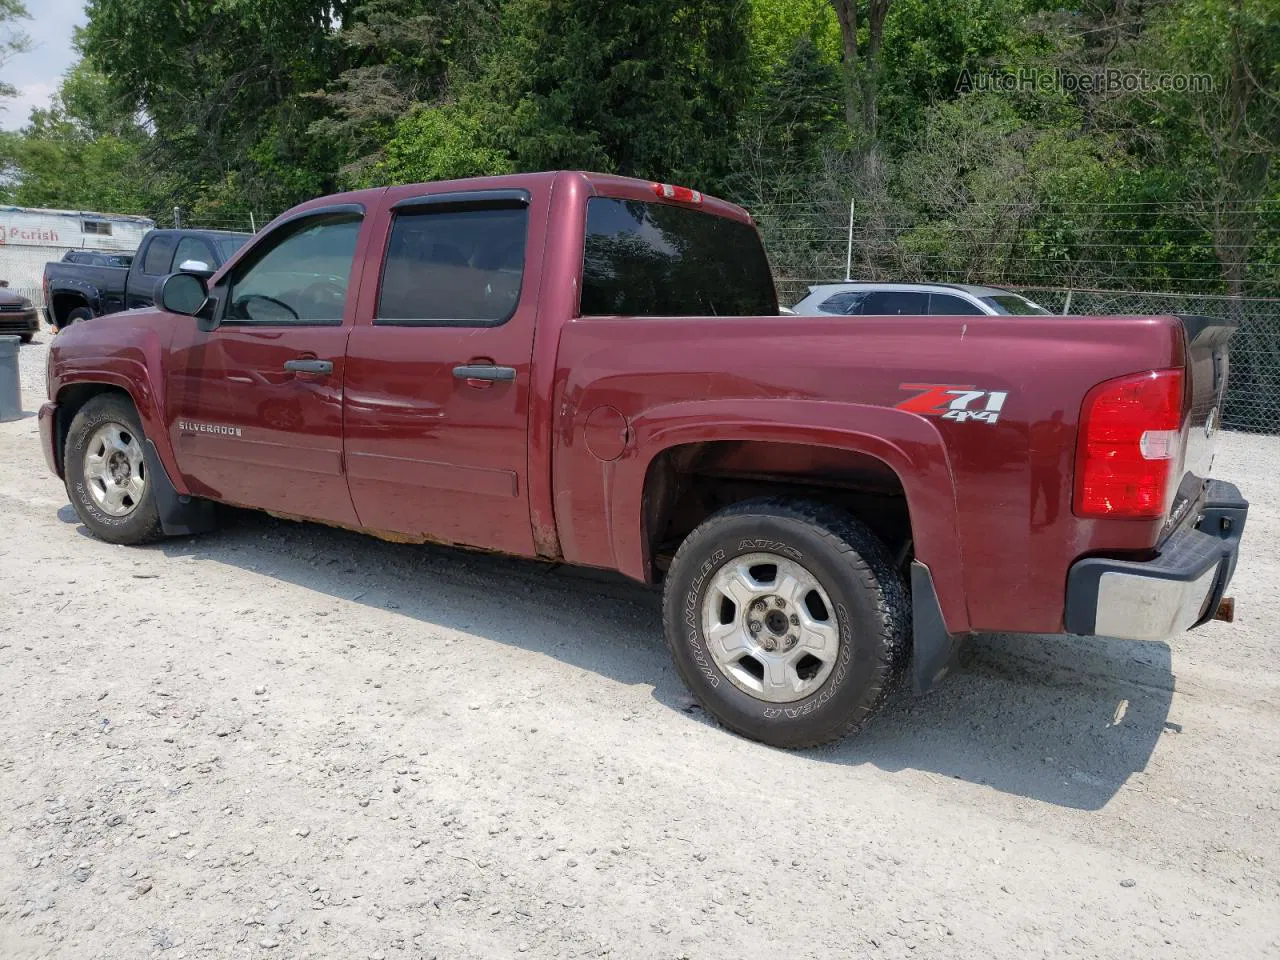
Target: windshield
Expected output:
[1014,305]
[229,245]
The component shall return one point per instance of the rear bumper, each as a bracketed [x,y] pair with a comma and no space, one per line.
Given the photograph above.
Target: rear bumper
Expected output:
[1178,589]
[48,419]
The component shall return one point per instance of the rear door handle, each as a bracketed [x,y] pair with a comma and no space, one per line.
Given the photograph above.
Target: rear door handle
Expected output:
[483,371]
[309,366]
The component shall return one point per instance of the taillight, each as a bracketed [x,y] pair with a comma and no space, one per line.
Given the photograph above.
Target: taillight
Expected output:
[682,194]
[1130,446]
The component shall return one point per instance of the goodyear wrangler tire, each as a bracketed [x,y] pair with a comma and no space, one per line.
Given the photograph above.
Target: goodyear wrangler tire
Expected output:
[106,473]
[787,621]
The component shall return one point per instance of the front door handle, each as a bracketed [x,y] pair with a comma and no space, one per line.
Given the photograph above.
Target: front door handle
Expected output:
[309,366]
[483,371]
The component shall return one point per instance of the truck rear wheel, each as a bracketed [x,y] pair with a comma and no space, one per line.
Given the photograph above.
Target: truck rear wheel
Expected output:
[106,474]
[787,621]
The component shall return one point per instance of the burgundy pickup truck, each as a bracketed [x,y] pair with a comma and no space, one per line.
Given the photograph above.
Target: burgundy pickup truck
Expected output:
[593,370]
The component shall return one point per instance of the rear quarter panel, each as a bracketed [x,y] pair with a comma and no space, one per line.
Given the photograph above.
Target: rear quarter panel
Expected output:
[990,503]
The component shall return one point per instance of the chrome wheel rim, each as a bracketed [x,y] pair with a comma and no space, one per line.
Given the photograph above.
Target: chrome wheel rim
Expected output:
[770,627]
[113,469]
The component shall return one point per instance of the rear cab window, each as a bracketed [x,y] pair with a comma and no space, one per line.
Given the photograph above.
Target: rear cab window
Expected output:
[193,248]
[651,259]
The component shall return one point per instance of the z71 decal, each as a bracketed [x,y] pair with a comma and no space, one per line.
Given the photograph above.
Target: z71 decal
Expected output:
[951,402]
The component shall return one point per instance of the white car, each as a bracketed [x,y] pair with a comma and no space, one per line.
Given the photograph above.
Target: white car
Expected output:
[914,299]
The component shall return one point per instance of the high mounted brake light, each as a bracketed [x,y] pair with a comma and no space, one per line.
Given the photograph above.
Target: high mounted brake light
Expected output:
[1130,448]
[680,194]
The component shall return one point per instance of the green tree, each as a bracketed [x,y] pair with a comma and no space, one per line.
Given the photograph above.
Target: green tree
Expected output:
[1222,141]
[405,55]
[438,143]
[83,152]
[12,39]
[648,88]
[862,60]
[225,86]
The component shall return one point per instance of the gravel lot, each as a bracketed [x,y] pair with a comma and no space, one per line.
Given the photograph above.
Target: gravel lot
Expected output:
[283,740]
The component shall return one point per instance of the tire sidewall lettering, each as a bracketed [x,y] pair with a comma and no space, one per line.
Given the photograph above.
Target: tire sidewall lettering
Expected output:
[834,682]
[77,488]
[770,546]
[693,618]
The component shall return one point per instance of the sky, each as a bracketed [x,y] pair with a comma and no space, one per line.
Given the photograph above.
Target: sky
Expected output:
[37,73]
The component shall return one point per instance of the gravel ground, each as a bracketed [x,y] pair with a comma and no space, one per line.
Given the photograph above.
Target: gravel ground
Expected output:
[283,740]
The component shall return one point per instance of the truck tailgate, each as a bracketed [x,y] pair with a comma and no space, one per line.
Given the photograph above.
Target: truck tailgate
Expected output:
[1207,365]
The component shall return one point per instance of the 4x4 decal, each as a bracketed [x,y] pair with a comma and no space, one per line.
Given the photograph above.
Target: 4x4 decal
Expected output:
[952,402]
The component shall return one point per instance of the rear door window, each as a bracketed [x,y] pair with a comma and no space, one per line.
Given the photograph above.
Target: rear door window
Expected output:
[661,260]
[159,257]
[453,267]
[949,305]
[891,302]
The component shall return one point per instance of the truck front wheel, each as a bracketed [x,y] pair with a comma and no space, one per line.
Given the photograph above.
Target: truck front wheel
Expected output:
[787,621]
[106,472]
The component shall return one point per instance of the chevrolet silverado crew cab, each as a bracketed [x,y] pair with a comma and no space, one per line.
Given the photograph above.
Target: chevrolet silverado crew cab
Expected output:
[593,370]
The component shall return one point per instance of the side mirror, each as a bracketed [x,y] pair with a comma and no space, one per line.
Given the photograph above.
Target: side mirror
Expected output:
[197,267]
[183,293]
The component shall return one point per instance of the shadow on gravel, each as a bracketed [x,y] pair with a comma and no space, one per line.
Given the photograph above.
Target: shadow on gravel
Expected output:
[1063,720]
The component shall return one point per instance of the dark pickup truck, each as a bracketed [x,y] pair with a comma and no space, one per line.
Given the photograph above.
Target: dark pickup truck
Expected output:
[592,370]
[88,284]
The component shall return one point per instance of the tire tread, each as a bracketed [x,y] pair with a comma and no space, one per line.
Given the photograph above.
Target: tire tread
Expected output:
[120,408]
[868,560]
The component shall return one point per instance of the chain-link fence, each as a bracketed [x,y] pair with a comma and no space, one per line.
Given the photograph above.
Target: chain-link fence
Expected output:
[1104,258]
[1253,389]
[191,220]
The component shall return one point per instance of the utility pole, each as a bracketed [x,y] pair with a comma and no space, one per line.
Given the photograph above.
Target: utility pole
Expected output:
[848,259]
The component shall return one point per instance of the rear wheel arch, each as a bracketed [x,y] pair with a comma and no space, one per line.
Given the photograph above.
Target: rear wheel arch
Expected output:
[909,446]
[686,483]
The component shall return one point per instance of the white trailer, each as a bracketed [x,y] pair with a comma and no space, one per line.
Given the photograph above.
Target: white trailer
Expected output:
[29,238]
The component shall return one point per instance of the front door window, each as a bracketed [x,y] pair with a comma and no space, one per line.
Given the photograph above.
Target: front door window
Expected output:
[301,279]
